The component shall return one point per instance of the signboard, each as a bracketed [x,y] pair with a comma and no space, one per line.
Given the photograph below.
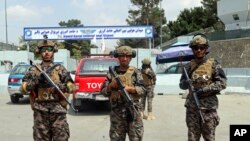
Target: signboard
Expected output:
[88,32]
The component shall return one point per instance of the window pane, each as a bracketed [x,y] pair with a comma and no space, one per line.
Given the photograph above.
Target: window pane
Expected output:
[97,65]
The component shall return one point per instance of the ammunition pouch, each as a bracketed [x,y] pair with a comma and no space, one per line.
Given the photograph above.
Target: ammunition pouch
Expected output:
[202,73]
[47,94]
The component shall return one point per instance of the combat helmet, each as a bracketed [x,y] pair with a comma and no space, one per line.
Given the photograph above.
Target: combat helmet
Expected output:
[146,61]
[199,39]
[124,50]
[45,43]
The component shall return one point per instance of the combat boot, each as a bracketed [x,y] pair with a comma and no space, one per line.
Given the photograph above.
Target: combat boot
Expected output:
[150,116]
[144,115]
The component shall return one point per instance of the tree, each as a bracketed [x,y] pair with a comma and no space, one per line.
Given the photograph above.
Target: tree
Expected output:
[196,19]
[210,7]
[77,48]
[189,20]
[146,12]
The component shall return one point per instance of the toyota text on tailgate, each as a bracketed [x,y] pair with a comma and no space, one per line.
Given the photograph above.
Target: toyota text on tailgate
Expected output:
[89,77]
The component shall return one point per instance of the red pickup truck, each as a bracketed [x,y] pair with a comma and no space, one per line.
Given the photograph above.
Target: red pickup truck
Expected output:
[89,77]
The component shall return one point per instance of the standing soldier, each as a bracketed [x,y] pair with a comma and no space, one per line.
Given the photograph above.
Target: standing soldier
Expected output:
[149,78]
[207,79]
[50,122]
[133,81]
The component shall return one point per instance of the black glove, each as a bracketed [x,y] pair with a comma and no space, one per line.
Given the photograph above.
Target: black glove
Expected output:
[42,79]
[199,91]
[185,83]
[202,92]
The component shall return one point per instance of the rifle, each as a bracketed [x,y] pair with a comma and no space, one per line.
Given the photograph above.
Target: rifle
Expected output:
[51,82]
[191,88]
[128,101]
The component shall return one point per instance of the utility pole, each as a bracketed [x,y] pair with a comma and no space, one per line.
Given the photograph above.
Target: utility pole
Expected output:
[6,27]
[161,24]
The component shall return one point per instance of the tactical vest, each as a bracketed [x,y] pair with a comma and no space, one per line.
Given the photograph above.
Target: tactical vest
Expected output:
[126,79]
[148,81]
[202,76]
[45,92]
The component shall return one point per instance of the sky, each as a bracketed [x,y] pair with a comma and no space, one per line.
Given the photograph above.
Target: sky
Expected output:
[48,13]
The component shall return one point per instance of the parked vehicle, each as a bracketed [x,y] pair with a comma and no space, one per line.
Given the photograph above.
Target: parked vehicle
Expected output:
[15,80]
[89,77]
[174,69]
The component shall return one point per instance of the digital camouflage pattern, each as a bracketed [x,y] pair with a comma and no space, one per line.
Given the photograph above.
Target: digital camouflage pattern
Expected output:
[124,50]
[119,125]
[49,109]
[48,126]
[146,61]
[207,130]
[198,40]
[149,78]
[209,77]
[149,98]
[45,43]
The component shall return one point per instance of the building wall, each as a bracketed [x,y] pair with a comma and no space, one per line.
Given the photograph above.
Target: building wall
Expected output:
[63,55]
[16,57]
[233,53]
[227,8]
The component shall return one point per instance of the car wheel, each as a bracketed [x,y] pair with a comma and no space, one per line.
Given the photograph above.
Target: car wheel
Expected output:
[14,99]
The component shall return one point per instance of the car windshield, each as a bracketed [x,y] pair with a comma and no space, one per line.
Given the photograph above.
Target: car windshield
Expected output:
[97,65]
[175,69]
[172,69]
[20,69]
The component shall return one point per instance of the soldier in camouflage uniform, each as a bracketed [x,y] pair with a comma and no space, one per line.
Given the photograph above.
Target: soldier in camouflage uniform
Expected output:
[133,81]
[149,78]
[208,79]
[50,122]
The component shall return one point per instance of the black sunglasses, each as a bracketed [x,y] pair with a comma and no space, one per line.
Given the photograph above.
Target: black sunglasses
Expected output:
[199,47]
[49,49]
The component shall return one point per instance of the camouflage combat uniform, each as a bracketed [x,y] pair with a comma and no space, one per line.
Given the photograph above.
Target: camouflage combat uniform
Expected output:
[118,118]
[149,78]
[50,122]
[210,77]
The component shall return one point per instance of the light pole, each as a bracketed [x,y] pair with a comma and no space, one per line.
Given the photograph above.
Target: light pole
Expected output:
[161,23]
[6,22]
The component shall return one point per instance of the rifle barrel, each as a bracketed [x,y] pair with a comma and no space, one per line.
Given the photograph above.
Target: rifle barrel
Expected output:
[191,88]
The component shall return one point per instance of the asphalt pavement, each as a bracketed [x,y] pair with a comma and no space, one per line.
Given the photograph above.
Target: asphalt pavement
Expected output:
[16,120]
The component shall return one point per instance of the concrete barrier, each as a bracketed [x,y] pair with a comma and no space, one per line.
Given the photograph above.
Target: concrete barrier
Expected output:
[168,84]
[4,83]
